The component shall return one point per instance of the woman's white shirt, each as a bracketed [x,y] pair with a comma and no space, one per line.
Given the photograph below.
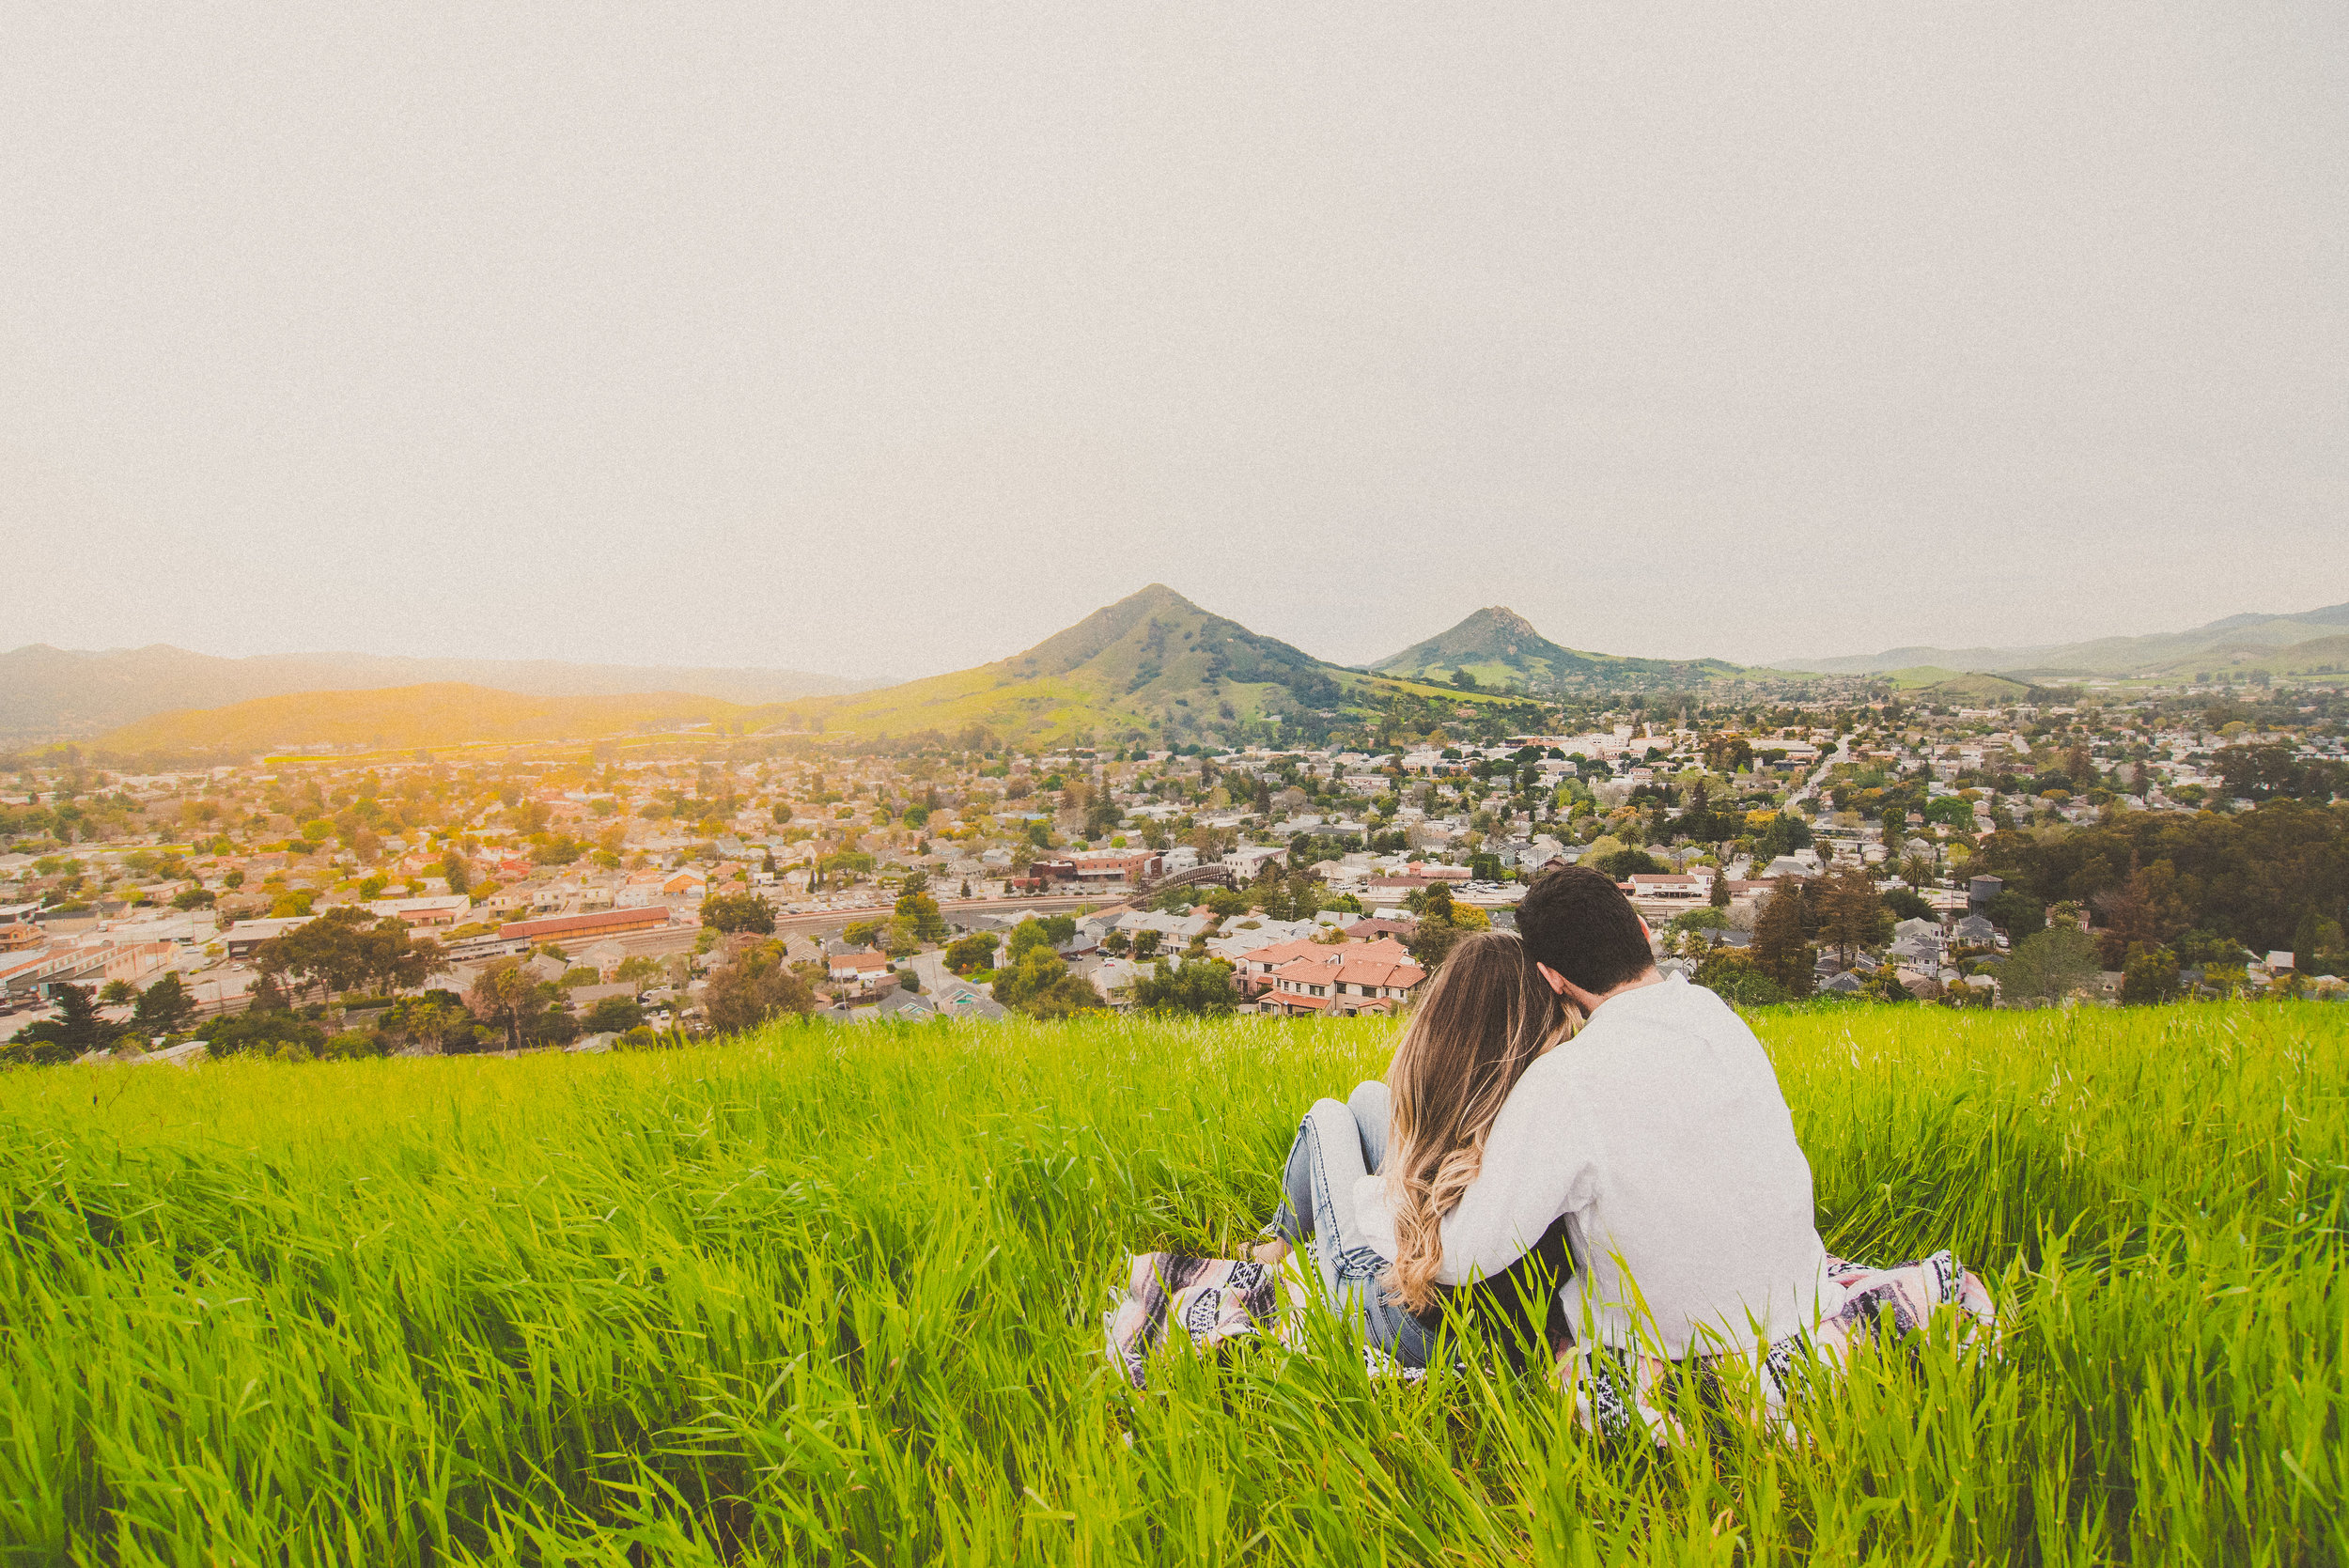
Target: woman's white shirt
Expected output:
[1659,1133]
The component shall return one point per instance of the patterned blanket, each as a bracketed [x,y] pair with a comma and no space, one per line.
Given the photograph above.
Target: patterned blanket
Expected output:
[1625,1393]
[1214,1301]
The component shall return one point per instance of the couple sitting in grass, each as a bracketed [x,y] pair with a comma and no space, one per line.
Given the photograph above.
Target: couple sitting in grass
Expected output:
[1586,1157]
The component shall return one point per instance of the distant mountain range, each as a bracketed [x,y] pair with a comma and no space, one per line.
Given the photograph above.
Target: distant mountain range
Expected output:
[1153,667]
[1499,648]
[47,691]
[2281,645]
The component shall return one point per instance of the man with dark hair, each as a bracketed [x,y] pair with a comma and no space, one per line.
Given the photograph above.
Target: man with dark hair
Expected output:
[1587,940]
[1658,1133]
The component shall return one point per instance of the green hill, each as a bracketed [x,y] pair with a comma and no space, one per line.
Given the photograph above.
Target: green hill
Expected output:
[1500,649]
[2325,656]
[1976,689]
[1153,666]
[406,717]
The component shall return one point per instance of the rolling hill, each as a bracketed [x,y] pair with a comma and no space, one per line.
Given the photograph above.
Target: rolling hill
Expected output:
[2159,653]
[2313,656]
[47,691]
[1973,688]
[409,716]
[1500,649]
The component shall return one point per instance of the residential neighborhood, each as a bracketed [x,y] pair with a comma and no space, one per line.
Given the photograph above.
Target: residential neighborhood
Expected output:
[1912,851]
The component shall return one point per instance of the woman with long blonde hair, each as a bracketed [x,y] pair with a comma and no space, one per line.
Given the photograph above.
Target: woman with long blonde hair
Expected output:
[1369,1181]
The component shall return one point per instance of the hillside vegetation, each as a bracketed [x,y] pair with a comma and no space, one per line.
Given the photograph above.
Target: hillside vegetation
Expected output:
[833,1296]
[1499,649]
[1152,668]
[440,714]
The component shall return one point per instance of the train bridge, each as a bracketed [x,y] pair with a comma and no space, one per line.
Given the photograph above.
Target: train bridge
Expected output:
[1214,872]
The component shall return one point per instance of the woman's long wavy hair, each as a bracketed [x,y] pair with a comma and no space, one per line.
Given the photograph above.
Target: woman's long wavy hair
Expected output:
[1487,1016]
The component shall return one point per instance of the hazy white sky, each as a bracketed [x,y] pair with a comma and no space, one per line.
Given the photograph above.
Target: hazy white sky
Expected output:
[880,338]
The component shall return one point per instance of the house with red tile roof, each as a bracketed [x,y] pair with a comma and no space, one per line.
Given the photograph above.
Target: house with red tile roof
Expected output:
[1342,980]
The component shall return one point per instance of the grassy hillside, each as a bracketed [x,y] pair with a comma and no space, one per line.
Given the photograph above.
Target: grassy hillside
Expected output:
[1973,688]
[1153,666]
[1500,649]
[833,1296]
[446,714]
[2327,655]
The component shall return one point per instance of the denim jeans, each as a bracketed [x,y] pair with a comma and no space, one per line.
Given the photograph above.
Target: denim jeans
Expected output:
[1336,1146]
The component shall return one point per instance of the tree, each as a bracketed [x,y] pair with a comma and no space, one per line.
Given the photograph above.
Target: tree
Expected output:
[1781,943]
[1908,905]
[347,948]
[77,1029]
[1147,943]
[928,925]
[505,997]
[1203,987]
[1736,979]
[1784,834]
[732,912]
[1042,986]
[639,970]
[972,954]
[1851,915]
[266,1033]
[2017,914]
[164,1008]
[753,986]
[1624,864]
[1697,931]
[2150,974]
[118,993]
[2052,964]
[436,1018]
[1031,935]
[455,871]
[2143,912]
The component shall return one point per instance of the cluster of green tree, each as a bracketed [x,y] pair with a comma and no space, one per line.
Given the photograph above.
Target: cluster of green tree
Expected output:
[913,925]
[347,948]
[1034,979]
[1202,986]
[2278,772]
[2267,879]
[1841,911]
[755,984]
[163,1009]
[1141,946]
[737,912]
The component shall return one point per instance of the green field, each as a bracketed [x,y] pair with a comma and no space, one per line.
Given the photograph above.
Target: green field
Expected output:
[833,1296]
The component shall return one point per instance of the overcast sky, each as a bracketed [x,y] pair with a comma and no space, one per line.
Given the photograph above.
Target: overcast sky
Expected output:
[892,338]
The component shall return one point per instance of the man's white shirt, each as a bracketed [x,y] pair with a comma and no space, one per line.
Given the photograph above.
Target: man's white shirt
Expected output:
[1659,1133]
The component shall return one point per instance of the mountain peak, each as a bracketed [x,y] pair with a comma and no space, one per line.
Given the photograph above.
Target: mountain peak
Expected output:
[1494,646]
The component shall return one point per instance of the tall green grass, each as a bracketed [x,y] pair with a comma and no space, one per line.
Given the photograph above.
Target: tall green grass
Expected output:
[832,1295]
